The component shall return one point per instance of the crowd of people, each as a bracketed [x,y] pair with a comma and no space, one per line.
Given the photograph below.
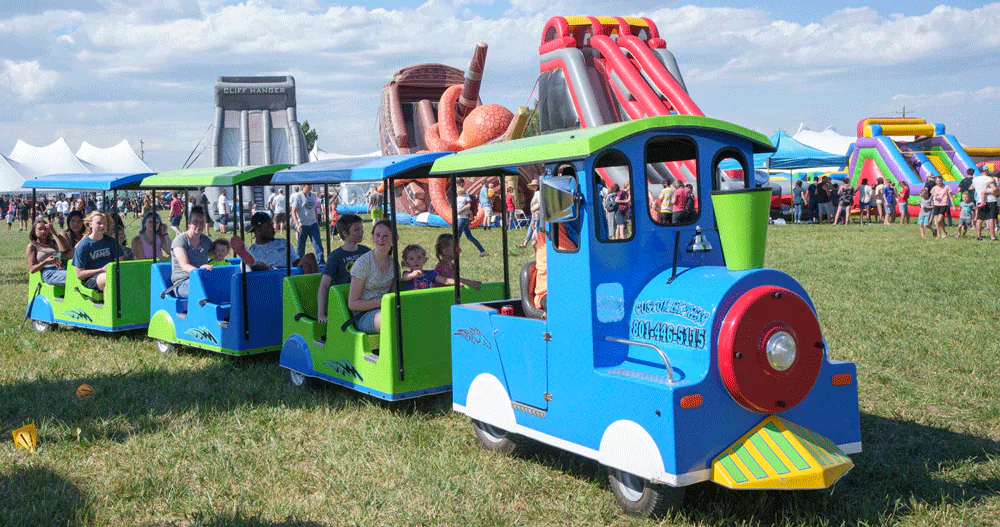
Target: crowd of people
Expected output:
[880,201]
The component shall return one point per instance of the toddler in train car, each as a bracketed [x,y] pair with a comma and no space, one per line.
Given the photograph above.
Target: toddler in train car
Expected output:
[414,258]
[219,252]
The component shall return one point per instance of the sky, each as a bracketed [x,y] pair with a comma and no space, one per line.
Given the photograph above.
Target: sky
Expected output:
[104,70]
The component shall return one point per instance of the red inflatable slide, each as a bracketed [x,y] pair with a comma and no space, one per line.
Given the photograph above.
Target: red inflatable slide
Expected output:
[599,70]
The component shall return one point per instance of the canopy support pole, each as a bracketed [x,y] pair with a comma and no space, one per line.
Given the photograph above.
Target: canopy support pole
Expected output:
[156,232]
[288,234]
[243,271]
[454,233]
[503,231]
[34,200]
[237,220]
[326,216]
[397,278]
[118,263]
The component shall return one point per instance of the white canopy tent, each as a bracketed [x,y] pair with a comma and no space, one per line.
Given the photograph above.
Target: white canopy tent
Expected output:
[829,140]
[10,177]
[28,161]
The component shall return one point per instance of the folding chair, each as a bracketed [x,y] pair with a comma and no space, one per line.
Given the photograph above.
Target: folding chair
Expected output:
[521,220]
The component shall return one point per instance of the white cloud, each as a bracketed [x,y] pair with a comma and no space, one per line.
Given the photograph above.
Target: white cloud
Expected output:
[760,48]
[27,79]
[951,98]
[354,35]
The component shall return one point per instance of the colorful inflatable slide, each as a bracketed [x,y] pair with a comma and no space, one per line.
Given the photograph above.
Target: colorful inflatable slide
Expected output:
[907,150]
[598,70]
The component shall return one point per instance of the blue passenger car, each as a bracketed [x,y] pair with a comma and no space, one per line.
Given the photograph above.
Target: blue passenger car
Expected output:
[228,309]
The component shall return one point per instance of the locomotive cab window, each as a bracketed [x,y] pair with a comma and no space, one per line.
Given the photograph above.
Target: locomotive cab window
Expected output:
[672,180]
[731,170]
[613,199]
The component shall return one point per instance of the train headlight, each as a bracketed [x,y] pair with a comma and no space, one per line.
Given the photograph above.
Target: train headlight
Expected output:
[780,350]
[770,349]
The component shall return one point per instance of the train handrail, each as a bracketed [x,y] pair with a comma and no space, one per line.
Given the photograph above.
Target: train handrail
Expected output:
[654,347]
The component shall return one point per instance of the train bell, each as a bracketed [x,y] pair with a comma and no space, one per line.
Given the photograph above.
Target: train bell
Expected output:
[698,243]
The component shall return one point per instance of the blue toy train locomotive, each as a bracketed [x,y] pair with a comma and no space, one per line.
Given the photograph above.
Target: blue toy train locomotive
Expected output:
[663,349]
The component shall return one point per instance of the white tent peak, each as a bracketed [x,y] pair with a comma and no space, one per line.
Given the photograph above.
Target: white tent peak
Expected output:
[55,158]
[120,158]
[829,140]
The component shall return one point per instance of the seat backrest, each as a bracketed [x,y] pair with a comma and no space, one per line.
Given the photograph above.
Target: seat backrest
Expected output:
[161,276]
[304,289]
[528,275]
[215,284]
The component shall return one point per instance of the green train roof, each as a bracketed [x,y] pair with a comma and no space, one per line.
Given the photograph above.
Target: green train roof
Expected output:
[213,177]
[578,144]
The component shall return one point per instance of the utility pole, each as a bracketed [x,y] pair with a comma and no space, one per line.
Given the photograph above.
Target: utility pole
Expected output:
[142,150]
[903,112]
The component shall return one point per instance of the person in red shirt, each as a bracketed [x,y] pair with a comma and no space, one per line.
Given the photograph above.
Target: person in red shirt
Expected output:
[510,208]
[904,206]
[681,194]
[176,212]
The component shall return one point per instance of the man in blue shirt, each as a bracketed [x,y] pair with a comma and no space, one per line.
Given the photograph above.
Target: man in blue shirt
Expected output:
[94,252]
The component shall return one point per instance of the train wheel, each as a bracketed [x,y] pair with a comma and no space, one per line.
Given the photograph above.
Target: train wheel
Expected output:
[165,347]
[40,326]
[497,440]
[297,378]
[639,497]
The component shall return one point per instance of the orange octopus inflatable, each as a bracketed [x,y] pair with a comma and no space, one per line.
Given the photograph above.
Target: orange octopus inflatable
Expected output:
[483,124]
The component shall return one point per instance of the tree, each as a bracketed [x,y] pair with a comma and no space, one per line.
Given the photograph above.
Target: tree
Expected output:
[533,127]
[310,134]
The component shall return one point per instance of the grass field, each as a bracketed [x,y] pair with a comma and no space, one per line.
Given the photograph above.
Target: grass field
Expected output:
[203,439]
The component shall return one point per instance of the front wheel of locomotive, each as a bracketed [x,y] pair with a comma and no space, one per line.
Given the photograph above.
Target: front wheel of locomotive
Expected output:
[638,497]
[497,440]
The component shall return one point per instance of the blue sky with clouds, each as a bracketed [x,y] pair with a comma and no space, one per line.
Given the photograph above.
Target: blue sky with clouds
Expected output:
[103,70]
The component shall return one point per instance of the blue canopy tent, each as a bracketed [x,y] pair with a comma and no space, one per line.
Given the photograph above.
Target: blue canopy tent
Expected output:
[91,182]
[790,155]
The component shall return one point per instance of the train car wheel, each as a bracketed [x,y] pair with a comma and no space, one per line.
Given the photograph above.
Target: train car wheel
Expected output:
[297,378]
[639,497]
[497,440]
[41,326]
[165,347]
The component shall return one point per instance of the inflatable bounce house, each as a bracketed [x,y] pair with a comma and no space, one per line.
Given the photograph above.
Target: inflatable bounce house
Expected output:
[907,150]
[436,108]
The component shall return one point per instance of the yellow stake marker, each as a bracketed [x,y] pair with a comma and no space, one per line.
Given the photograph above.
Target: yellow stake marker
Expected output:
[26,437]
